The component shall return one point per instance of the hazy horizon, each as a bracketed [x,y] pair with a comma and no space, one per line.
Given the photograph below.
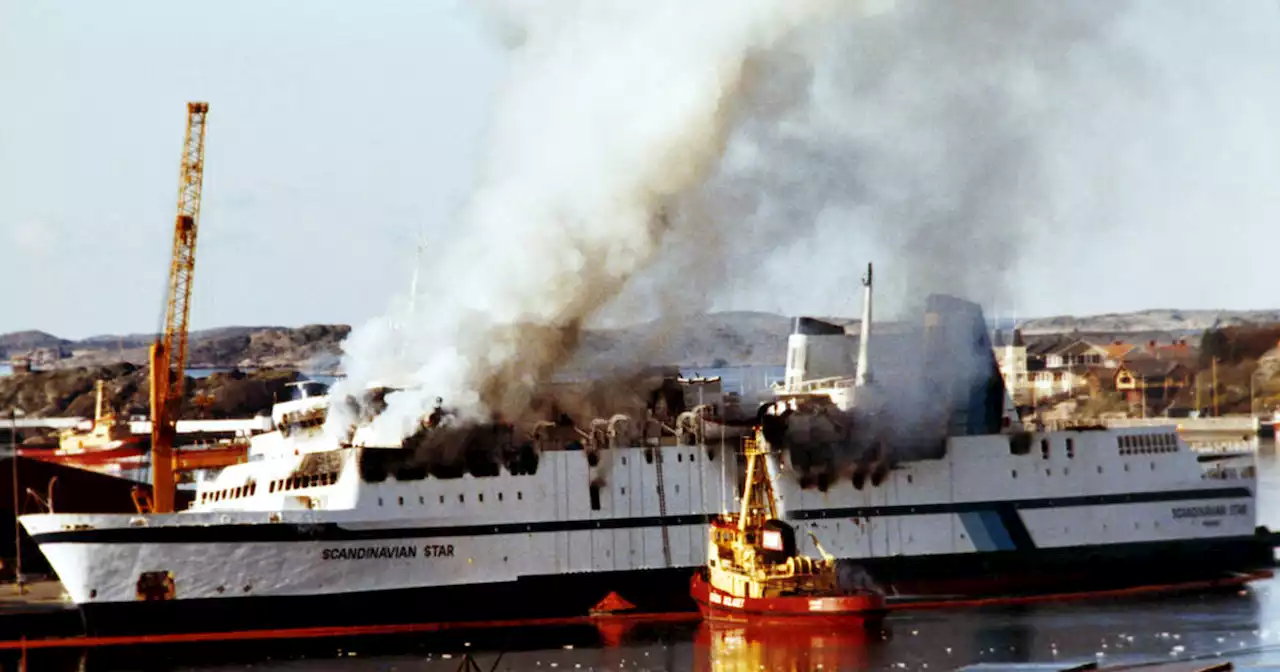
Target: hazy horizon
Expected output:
[1002,319]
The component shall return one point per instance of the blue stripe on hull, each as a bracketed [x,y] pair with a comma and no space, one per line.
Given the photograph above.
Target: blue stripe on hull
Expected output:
[987,531]
[998,532]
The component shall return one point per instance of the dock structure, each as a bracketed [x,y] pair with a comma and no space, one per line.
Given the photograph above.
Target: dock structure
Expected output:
[1226,434]
[1230,424]
[245,425]
[46,423]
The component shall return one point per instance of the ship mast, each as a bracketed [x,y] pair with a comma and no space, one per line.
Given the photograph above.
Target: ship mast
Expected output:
[401,339]
[758,495]
[864,361]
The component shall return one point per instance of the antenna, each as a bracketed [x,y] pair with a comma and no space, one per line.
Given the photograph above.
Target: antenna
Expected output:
[864,363]
[413,283]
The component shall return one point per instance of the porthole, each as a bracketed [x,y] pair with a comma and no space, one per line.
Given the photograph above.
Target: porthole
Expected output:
[442,499]
[400,501]
[499,496]
[460,497]
[1099,468]
[519,495]
[1015,473]
[481,496]
[379,501]
[422,500]
[910,479]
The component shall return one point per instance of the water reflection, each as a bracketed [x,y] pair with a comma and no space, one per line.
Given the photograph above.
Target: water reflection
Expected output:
[731,647]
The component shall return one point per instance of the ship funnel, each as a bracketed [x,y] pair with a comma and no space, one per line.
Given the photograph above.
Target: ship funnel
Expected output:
[960,367]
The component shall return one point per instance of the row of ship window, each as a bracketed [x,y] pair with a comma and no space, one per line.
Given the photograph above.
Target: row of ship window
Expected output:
[1067,471]
[1071,449]
[299,481]
[246,490]
[461,498]
[1142,444]
[249,489]
[648,456]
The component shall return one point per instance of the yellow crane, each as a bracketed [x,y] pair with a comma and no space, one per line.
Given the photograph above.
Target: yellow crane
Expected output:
[169,352]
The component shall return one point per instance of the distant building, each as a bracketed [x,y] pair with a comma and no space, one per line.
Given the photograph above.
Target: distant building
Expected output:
[1077,353]
[1011,355]
[1116,352]
[20,364]
[1152,382]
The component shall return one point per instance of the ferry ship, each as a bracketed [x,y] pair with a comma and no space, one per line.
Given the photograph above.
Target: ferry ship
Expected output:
[956,499]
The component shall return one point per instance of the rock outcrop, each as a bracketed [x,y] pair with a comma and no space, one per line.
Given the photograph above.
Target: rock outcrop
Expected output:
[69,392]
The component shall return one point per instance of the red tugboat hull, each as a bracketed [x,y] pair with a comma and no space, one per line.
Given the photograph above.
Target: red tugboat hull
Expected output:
[720,606]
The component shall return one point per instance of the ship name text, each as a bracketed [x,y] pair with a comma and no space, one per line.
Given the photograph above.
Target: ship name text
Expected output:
[734,602]
[387,552]
[1209,511]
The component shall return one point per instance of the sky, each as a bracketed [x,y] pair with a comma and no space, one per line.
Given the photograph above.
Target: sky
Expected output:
[1144,170]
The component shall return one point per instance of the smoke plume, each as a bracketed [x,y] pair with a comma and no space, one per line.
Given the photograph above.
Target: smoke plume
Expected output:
[611,111]
[750,154]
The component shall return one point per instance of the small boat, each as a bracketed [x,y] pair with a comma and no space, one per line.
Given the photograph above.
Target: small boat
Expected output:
[110,446]
[754,571]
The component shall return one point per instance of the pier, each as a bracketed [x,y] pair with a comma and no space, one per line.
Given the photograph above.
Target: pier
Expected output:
[234,426]
[1230,424]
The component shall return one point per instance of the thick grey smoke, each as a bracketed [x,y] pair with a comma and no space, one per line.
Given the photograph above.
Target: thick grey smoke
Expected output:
[969,143]
[785,141]
[611,110]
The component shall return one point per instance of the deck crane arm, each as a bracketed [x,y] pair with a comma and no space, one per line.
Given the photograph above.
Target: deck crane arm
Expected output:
[169,352]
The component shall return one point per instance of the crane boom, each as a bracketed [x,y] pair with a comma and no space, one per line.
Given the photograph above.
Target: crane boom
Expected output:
[169,353]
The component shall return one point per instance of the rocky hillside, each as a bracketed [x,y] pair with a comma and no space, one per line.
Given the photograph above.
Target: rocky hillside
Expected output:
[1184,322]
[310,348]
[739,338]
[70,391]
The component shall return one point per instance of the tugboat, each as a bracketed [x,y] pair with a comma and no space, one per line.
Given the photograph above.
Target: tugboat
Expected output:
[754,571]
